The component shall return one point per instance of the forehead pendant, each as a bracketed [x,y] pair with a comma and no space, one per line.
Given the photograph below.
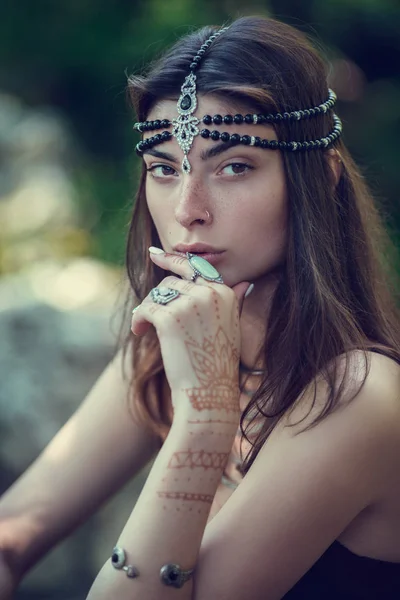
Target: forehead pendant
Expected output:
[185,126]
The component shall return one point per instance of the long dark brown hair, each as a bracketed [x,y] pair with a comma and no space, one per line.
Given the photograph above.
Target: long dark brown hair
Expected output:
[336,291]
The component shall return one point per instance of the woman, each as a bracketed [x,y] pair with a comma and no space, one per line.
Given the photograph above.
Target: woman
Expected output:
[267,375]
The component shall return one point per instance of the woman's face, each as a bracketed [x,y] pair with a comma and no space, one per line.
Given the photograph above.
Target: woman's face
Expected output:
[234,201]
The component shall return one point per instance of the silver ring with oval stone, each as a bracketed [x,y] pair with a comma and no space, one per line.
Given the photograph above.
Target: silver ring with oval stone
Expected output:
[163,295]
[202,268]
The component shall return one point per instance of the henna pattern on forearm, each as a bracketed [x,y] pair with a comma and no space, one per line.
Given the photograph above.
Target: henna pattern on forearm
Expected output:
[187,496]
[199,422]
[192,459]
[215,363]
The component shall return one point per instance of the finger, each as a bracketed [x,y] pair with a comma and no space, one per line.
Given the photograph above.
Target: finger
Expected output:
[151,313]
[139,325]
[176,263]
[181,285]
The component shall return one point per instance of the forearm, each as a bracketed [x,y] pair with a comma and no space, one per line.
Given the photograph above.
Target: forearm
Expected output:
[169,519]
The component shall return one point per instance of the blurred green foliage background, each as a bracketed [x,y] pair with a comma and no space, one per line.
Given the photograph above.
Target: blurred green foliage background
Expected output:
[74,56]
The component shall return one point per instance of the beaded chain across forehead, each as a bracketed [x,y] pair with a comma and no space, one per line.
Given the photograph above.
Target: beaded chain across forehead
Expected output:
[186,126]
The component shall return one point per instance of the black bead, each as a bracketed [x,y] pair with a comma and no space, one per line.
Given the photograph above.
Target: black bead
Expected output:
[158,138]
[269,118]
[265,144]
[193,65]
[165,123]
[228,119]
[273,144]
[245,139]
[215,135]
[286,116]
[235,138]
[304,146]
[207,120]
[260,119]
[248,119]
[282,145]
[205,133]
[311,145]
[312,112]
[157,124]
[201,52]
[217,119]
[257,141]
[278,117]
[238,119]
[306,112]
[225,136]
[165,136]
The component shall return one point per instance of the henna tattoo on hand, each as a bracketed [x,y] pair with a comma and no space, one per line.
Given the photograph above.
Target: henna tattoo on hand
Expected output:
[215,363]
[201,458]
[199,422]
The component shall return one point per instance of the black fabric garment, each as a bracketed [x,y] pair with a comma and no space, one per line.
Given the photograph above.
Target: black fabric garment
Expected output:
[339,574]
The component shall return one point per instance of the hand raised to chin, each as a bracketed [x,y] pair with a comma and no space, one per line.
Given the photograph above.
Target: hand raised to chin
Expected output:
[199,334]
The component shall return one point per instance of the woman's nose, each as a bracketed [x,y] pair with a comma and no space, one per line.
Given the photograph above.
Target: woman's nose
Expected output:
[193,206]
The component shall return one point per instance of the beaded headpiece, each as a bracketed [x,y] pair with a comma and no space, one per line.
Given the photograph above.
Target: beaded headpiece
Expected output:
[186,126]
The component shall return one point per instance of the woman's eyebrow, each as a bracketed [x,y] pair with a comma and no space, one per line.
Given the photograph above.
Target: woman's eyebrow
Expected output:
[162,155]
[216,149]
[211,152]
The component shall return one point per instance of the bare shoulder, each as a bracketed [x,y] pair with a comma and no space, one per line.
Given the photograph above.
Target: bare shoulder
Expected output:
[371,385]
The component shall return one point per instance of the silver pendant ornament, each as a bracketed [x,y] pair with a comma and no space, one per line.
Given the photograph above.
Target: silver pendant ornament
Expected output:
[185,126]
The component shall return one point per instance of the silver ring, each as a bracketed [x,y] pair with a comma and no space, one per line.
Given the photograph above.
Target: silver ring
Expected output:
[163,295]
[202,268]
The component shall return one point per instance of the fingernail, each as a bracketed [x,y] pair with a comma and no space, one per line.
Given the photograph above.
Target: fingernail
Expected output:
[249,290]
[154,250]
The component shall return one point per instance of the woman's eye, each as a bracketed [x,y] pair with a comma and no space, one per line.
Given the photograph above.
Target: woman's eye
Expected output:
[161,171]
[236,169]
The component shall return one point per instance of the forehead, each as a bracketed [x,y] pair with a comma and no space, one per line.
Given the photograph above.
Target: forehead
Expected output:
[209,104]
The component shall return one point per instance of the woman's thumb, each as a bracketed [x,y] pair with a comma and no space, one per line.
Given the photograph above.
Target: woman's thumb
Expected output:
[242,290]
